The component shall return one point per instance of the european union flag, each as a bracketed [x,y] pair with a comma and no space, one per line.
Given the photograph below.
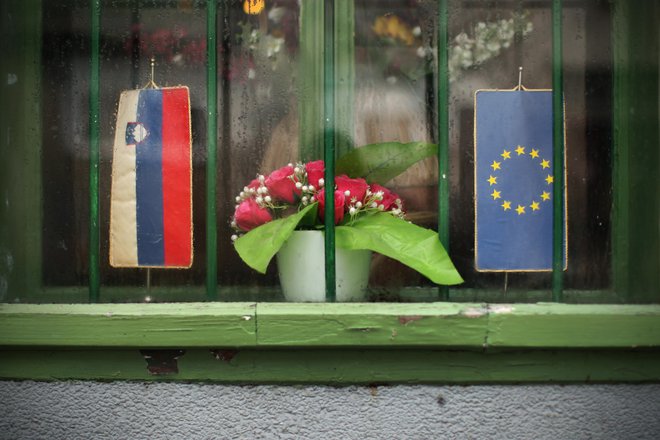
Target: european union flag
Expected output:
[514,180]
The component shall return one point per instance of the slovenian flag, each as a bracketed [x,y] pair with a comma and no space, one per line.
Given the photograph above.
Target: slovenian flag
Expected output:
[514,180]
[151,198]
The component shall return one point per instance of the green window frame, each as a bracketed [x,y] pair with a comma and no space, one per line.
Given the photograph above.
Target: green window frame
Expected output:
[352,343]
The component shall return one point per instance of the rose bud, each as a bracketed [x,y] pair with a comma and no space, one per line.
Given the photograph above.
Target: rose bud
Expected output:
[339,205]
[315,172]
[388,196]
[357,188]
[249,215]
[282,186]
[255,184]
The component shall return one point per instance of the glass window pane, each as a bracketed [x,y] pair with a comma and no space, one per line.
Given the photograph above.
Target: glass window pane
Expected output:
[270,104]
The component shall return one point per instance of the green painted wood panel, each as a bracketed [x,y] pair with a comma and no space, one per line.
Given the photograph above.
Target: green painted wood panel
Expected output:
[573,326]
[128,325]
[358,325]
[473,326]
[636,235]
[20,146]
[340,367]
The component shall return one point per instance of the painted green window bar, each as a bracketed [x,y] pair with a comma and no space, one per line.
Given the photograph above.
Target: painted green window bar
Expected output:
[326,89]
[342,10]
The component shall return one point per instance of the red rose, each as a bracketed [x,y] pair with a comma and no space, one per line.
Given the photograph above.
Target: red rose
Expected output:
[357,188]
[315,172]
[249,215]
[282,186]
[339,205]
[388,196]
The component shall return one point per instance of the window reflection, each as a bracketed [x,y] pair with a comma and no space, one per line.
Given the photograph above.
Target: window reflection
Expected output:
[259,85]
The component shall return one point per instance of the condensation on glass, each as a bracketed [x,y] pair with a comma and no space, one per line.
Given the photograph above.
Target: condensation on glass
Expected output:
[395,99]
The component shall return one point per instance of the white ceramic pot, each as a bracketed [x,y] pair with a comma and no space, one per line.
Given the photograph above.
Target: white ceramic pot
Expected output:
[301,266]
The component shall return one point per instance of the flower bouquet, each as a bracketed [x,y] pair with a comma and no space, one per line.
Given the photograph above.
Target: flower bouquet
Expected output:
[368,216]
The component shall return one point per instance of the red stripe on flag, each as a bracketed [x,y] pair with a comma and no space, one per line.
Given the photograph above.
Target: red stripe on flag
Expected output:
[177,222]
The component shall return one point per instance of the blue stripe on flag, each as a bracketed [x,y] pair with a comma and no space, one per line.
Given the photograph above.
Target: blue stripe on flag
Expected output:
[149,181]
[514,180]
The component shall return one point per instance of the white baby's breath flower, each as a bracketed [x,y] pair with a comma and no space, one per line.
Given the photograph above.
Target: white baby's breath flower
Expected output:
[321,183]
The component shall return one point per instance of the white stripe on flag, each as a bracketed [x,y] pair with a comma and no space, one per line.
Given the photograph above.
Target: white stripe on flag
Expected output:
[123,223]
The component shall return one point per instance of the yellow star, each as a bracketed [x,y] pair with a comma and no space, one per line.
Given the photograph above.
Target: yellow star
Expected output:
[506,205]
[506,155]
[534,206]
[495,165]
[545,196]
[534,153]
[549,179]
[492,180]
[520,209]
[495,194]
[520,150]
[545,164]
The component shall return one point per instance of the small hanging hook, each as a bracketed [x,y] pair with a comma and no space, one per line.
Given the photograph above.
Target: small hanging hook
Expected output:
[151,83]
[520,86]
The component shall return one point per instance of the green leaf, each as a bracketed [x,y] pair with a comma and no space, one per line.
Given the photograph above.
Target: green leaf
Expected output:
[379,163]
[414,246]
[259,246]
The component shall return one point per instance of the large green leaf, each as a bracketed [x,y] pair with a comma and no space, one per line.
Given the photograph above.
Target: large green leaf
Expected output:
[379,163]
[414,246]
[259,246]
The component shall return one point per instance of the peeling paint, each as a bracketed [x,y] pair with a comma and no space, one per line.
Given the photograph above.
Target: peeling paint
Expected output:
[361,329]
[161,362]
[501,308]
[224,355]
[404,320]
[474,312]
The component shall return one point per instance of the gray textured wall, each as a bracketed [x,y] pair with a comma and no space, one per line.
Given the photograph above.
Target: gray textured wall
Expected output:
[122,410]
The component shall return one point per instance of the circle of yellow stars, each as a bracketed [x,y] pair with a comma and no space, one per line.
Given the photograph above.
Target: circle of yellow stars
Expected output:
[497,196]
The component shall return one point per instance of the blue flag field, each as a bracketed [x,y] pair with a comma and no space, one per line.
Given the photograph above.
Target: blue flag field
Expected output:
[514,181]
